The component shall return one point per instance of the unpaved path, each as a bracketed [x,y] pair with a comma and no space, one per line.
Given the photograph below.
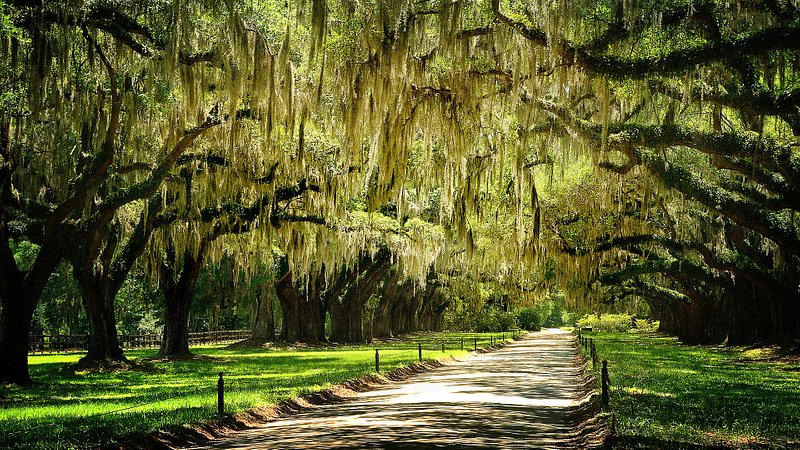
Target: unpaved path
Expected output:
[526,395]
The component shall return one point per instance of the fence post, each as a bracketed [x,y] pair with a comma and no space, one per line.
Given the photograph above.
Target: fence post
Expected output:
[605,384]
[593,353]
[220,396]
[419,349]
[377,361]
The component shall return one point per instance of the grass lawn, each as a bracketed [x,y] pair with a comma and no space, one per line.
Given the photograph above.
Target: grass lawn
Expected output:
[668,395]
[64,410]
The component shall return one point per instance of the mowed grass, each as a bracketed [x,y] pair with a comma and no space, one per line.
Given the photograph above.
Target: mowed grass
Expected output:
[668,395]
[64,410]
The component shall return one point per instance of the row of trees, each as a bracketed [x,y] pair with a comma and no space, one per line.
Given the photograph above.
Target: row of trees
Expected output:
[618,150]
[694,119]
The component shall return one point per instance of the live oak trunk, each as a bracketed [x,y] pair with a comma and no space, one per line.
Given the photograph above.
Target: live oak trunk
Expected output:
[264,323]
[397,309]
[98,302]
[178,293]
[175,339]
[347,311]
[432,308]
[19,294]
[743,316]
[15,326]
[303,312]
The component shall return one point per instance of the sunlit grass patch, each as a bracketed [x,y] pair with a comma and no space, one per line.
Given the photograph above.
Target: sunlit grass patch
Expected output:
[675,395]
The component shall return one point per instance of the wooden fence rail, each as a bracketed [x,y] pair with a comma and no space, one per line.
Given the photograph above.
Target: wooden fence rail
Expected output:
[46,343]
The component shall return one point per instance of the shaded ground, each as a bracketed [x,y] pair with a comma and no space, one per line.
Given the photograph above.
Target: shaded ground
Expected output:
[527,395]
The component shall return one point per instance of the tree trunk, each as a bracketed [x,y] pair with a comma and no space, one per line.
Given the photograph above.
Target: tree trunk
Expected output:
[175,339]
[303,313]
[432,308]
[98,302]
[15,325]
[19,294]
[347,312]
[178,294]
[264,324]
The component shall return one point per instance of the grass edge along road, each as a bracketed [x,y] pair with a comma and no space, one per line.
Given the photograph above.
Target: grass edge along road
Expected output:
[67,410]
[668,395]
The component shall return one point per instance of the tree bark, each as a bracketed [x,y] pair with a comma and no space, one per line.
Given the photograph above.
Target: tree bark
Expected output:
[347,310]
[303,312]
[397,309]
[98,302]
[264,324]
[19,294]
[178,293]
[15,325]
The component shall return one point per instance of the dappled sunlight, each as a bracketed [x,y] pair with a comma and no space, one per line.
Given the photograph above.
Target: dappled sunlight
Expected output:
[642,391]
[520,396]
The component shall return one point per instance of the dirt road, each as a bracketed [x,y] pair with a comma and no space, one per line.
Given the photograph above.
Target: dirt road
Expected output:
[526,395]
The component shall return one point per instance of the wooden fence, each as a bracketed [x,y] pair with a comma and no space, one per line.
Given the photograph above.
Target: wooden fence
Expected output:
[45,343]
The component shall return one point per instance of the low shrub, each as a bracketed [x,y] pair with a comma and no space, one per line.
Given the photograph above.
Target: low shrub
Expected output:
[617,322]
[645,326]
[546,314]
[483,320]
[530,318]
[606,322]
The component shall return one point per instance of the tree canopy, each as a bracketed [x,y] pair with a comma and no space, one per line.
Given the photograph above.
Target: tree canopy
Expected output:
[619,150]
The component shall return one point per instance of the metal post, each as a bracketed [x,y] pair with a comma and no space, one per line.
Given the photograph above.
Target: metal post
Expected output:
[462,343]
[220,395]
[377,361]
[442,346]
[605,384]
[419,349]
[476,344]
[504,336]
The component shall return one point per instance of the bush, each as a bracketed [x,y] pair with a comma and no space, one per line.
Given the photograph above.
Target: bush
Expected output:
[645,326]
[493,319]
[606,322]
[530,318]
[548,314]
[483,320]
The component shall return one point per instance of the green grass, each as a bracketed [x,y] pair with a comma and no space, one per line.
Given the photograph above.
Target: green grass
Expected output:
[62,410]
[668,395]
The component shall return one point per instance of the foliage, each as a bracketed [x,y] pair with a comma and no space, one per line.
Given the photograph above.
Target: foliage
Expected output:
[530,318]
[668,395]
[606,322]
[547,312]
[482,320]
